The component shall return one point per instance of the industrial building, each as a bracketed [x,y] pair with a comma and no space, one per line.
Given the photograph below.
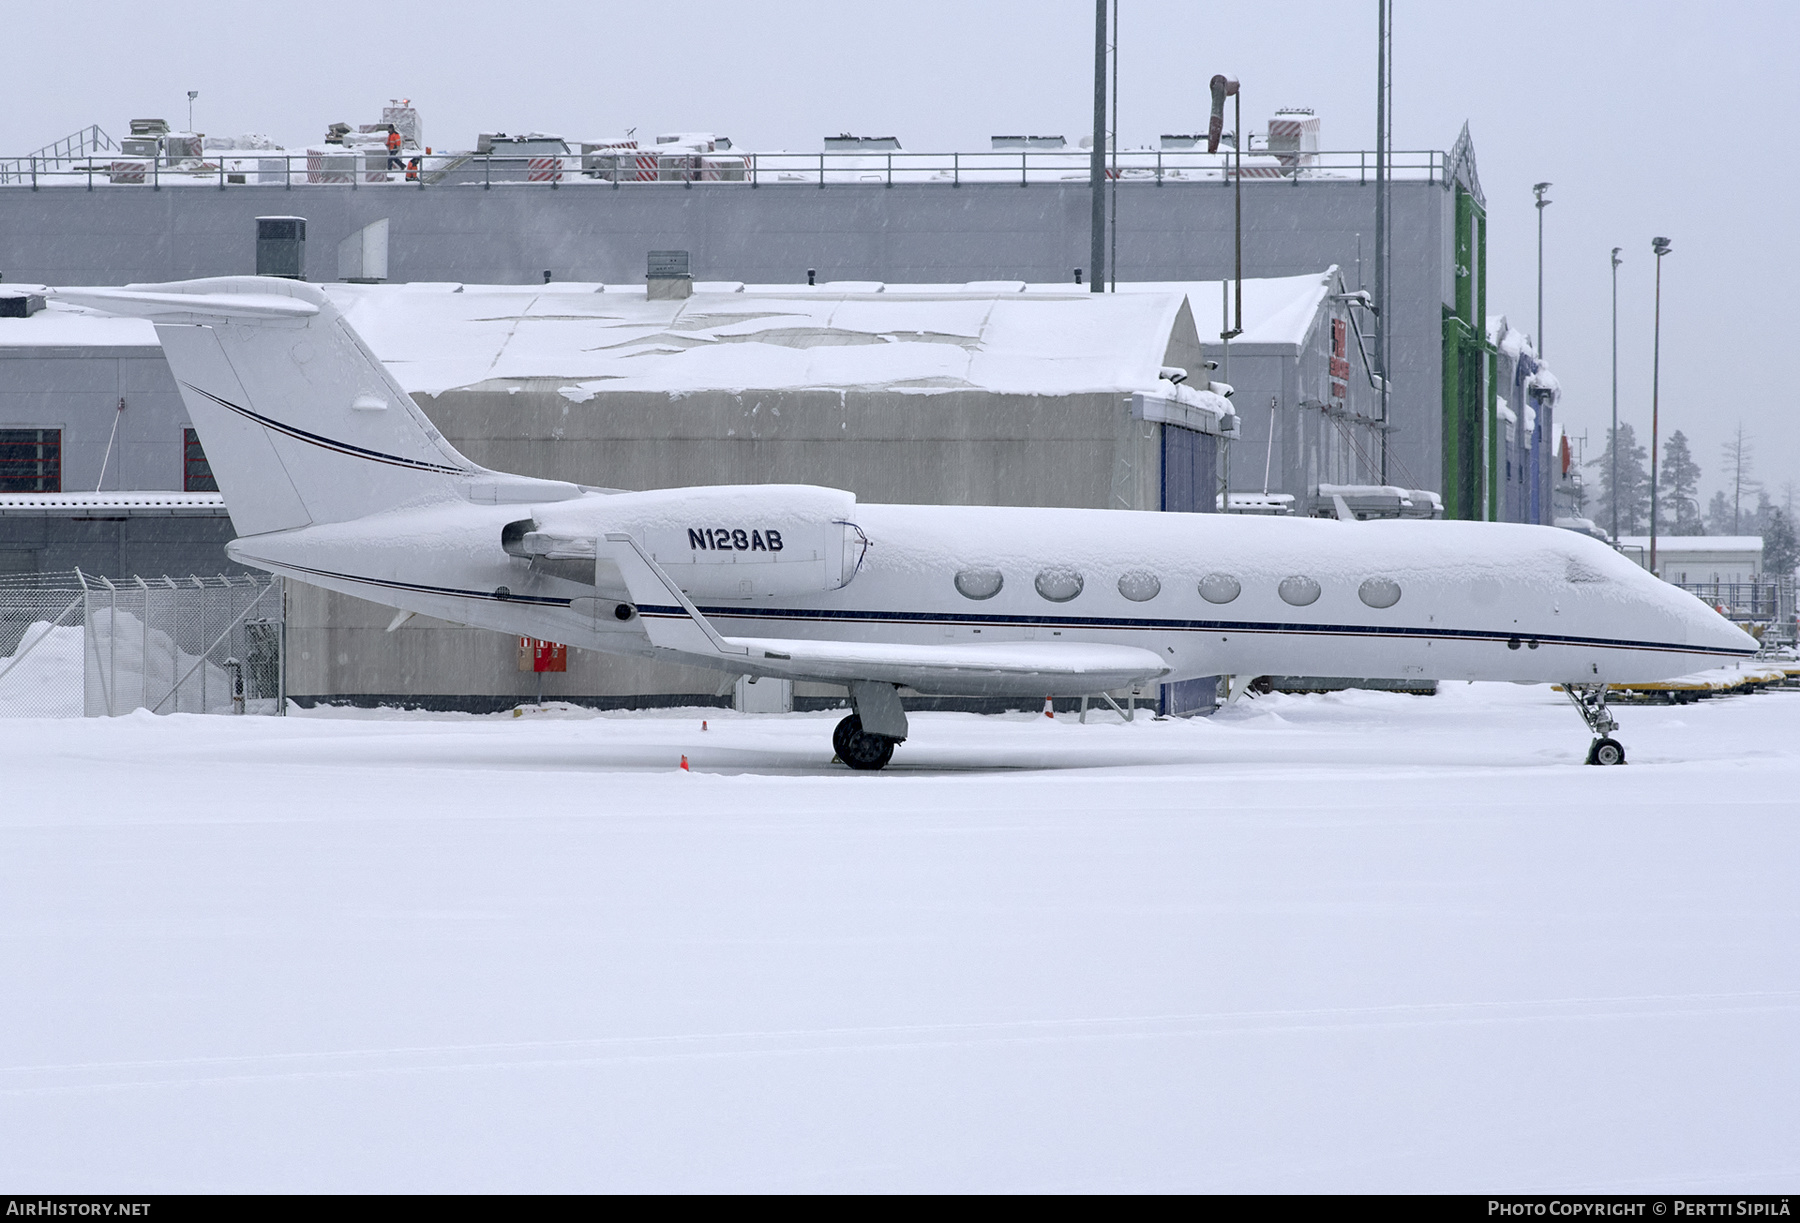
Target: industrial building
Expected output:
[538,206]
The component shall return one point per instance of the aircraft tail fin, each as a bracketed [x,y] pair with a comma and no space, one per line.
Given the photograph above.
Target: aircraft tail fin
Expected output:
[300,422]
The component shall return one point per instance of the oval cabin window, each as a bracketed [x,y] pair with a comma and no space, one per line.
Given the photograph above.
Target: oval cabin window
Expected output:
[1140,585]
[1219,588]
[1379,592]
[1299,590]
[979,583]
[1059,585]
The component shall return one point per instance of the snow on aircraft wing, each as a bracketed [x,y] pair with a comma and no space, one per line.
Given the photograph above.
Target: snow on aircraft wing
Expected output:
[1028,667]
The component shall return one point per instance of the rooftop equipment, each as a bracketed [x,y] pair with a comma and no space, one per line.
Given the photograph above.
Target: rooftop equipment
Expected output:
[281,247]
[362,258]
[17,303]
[667,277]
[1294,135]
[844,142]
[1014,144]
[403,117]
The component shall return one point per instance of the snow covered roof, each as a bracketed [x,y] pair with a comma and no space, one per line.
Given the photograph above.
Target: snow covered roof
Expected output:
[1277,309]
[1696,543]
[61,325]
[923,338]
[1507,338]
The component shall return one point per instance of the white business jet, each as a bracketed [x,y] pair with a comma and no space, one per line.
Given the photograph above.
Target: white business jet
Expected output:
[334,476]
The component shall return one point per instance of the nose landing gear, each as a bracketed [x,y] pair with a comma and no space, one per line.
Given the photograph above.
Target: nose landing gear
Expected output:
[1590,702]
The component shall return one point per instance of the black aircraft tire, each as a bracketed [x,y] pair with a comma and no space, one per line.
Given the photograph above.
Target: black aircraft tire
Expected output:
[1607,751]
[858,749]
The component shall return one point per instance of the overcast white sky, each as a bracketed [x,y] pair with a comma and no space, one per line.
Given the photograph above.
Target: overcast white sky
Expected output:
[1649,118]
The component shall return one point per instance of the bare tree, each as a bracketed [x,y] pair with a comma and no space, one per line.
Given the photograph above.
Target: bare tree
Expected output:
[1740,455]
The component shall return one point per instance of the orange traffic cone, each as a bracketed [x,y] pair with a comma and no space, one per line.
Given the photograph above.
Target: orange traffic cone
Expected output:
[1049,708]
[684,767]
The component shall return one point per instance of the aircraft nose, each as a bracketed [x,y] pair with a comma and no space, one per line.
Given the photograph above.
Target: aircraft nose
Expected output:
[1708,628]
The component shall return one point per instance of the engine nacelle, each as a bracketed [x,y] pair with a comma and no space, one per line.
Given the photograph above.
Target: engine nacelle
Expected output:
[746,541]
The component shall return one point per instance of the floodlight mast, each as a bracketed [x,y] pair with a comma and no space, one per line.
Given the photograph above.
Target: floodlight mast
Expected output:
[1383,131]
[1660,247]
[1097,159]
[1227,87]
[1613,445]
[1538,190]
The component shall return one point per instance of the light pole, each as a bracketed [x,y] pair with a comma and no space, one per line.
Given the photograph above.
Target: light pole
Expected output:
[192,94]
[1613,445]
[1542,203]
[1384,83]
[1661,247]
[1097,160]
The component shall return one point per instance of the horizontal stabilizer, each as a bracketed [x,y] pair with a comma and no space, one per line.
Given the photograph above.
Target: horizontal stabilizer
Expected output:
[145,303]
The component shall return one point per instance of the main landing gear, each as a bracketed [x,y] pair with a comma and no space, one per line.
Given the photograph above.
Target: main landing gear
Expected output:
[1590,702]
[865,740]
[858,748]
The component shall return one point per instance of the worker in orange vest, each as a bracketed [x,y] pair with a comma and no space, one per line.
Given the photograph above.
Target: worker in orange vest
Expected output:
[393,147]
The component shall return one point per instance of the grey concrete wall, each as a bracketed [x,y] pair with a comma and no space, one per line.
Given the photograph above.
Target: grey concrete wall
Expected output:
[946,448]
[78,390]
[339,651]
[117,545]
[772,234]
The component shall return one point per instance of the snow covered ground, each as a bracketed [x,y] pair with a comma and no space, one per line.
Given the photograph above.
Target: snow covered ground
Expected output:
[1362,941]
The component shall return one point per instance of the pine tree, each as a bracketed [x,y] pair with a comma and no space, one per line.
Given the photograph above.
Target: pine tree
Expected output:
[1719,514]
[1781,551]
[1680,488]
[1633,494]
[1757,520]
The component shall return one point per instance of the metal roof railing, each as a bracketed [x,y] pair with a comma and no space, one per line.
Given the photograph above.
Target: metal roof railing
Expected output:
[354,168]
[89,140]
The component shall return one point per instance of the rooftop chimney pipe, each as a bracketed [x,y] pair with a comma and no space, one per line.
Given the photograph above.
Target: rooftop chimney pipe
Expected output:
[1222,87]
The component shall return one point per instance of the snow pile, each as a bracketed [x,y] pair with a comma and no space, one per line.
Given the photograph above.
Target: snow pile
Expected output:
[46,680]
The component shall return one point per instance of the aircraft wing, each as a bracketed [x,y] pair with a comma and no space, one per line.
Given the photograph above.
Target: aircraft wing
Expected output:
[1027,668]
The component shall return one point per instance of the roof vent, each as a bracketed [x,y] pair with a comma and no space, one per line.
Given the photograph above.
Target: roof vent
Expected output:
[1294,135]
[844,142]
[1014,144]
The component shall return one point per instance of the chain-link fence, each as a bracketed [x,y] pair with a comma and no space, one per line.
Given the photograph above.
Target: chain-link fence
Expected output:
[72,645]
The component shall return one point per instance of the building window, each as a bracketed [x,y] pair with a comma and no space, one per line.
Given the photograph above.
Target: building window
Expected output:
[196,472]
[30,460]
